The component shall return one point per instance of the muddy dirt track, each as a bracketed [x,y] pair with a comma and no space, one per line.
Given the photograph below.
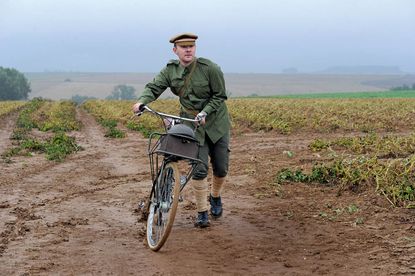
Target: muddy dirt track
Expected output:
[79,217]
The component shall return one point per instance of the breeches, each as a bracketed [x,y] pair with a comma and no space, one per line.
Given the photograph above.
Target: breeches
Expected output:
[219,158]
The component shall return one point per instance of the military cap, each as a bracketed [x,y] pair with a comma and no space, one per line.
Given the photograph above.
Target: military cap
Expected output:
[184,39]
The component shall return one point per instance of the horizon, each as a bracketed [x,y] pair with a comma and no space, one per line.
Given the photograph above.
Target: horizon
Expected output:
[328,71]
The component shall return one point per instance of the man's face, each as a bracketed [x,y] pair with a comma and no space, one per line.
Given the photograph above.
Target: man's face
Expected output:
[185,53]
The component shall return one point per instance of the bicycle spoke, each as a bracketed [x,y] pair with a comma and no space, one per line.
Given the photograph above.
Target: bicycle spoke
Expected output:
[164,205]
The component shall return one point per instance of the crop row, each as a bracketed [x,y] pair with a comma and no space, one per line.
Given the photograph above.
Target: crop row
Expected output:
[383,163]
[324,115]
[58,117]
[107,111]
[381,146]
[287,115]
[9,106]
[392,178]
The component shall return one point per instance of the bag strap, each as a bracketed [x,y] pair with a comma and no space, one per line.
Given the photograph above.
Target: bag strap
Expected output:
[187,80]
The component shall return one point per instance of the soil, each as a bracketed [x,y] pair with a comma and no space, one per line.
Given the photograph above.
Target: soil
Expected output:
[81,216]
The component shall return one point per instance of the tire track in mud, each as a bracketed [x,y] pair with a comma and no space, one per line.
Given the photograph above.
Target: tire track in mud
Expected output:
[48,191]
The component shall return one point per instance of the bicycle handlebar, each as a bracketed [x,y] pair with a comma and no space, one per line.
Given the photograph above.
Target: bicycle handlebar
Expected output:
[146,108]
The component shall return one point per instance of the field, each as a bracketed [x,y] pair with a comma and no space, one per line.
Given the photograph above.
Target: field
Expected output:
[316,187]
[350,95]
[99,85]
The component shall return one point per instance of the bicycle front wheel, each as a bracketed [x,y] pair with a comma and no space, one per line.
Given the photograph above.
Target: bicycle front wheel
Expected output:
[163,206]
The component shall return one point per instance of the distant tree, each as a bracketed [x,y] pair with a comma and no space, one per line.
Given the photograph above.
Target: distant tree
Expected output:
[13,85]
[78,99]
[403,87]
[290,70]
[122,92]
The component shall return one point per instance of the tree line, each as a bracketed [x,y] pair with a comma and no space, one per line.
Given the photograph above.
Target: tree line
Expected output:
[403,87]
[15,86]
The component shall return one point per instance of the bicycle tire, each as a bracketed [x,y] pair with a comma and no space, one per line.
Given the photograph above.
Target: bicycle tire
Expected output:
[163,206]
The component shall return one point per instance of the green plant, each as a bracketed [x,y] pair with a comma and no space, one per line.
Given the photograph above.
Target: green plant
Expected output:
[110,123]
[59,146]
[286,175]
[19,134]
[352,208]
[318,145]
[25,120]
[114,132]
[33,145]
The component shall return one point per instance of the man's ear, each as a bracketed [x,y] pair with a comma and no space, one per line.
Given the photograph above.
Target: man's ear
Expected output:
[175,50]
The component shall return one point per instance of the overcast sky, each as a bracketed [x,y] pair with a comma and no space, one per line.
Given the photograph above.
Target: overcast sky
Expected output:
[244,36]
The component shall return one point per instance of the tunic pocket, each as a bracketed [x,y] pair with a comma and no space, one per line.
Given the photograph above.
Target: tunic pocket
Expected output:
[201,89]
[176,85]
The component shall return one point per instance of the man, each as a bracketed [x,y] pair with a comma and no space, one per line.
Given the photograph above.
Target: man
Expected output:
[200,85]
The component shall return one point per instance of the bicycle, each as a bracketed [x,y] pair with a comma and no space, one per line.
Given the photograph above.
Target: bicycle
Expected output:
[165,150]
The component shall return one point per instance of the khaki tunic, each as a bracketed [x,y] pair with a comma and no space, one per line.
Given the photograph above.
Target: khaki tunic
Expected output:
[205,92]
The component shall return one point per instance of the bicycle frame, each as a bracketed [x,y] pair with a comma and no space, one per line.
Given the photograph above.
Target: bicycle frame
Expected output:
[165,150]
[154,143]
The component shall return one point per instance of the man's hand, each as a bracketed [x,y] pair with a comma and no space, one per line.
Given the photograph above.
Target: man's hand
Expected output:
[138,107]
[201,117]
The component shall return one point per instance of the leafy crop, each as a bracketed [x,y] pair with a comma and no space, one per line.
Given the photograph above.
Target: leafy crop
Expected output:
[388,146]
[59,146]
[56,116]
[323,115]
[395,178]
[46,116]
[284,116]
[56,148]
[9,106]
[24,120]
[121,112]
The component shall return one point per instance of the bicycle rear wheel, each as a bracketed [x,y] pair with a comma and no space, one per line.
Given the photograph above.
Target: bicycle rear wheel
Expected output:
[163,206]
